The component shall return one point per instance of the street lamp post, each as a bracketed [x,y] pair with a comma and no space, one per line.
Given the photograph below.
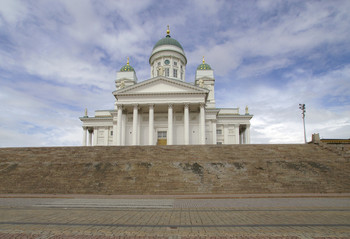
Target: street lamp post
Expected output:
[302,107]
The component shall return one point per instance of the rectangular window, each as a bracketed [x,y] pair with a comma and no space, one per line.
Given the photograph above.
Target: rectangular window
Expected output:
[175,73]
[162,134]
[219,131]
[218,142]
[111,133]
[158,63]
[175,63]
[167,72]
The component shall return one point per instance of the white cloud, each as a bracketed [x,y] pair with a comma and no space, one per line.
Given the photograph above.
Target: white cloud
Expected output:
[12,11]
[296,32]
[276,114]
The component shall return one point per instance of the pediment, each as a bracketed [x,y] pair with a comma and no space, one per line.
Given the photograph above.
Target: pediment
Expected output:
[161,85]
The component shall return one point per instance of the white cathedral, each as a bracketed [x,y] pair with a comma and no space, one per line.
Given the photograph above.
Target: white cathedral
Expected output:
[165,109]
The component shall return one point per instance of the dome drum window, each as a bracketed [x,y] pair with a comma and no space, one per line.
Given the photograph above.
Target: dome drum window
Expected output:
[167,72]
[175,73]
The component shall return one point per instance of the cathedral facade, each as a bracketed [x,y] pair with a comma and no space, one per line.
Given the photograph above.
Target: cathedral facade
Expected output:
[165,109]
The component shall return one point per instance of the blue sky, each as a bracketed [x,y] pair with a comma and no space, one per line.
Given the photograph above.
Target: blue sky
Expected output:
[59,57]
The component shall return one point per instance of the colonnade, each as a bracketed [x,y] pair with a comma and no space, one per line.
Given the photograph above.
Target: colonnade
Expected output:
[170,126]
[86,131]
[241,132]
[244,137]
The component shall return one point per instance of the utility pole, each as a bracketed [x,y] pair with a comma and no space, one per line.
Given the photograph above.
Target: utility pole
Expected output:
[302,107]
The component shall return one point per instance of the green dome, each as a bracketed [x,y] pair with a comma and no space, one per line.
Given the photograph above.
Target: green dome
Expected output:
[127,67]
[168,41]
[204,66]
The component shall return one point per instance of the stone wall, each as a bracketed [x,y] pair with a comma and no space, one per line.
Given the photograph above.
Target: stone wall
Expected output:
[174,169]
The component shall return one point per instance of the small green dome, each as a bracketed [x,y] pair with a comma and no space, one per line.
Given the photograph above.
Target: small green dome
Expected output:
[204,66]
[127,67]
[168,41]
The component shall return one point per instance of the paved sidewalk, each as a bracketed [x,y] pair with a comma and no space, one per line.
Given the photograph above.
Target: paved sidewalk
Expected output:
[184,217]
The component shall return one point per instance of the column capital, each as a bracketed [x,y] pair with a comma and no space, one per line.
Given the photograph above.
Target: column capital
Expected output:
[85,127]
[187,105]
[170,105]
[201,104]
[151,105]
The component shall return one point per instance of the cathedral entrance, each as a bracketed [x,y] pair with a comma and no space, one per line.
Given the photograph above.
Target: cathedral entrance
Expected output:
[161,138]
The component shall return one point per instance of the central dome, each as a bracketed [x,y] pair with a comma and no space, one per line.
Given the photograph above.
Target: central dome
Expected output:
[168,58]
[167,41]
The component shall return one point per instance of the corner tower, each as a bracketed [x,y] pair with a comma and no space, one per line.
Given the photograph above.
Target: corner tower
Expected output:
[205,78]
[126,76]
[168,59]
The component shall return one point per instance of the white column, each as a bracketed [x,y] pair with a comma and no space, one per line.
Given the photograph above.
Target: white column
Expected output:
[236,133]
[247,131]
[214,131]
[95,131]
[202,124]
[90,137]
[186,125]
[225,134]
[115,130]
[106,136]
[170,125]
[139,128]
[134,125]
[151,124]
[124,118]
[84,135]
[244,141]
[119,125]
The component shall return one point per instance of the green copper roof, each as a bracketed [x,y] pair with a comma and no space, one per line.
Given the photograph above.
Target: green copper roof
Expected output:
[167,41]
[204,66]
[127,68]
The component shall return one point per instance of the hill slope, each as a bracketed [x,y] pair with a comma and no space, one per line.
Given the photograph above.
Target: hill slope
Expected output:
[174,169]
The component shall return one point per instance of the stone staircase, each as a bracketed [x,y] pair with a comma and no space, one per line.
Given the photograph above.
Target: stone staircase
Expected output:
[219,169]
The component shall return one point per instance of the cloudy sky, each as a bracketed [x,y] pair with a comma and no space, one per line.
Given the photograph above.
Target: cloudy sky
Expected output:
[59,57]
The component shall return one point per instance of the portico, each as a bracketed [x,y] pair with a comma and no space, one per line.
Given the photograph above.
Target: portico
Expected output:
[149,119]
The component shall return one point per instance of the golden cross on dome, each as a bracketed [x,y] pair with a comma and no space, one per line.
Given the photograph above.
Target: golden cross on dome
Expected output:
[203,60]
[127,62]
[168,31]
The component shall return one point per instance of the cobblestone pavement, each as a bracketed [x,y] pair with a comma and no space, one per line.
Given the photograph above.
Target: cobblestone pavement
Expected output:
[291,218]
